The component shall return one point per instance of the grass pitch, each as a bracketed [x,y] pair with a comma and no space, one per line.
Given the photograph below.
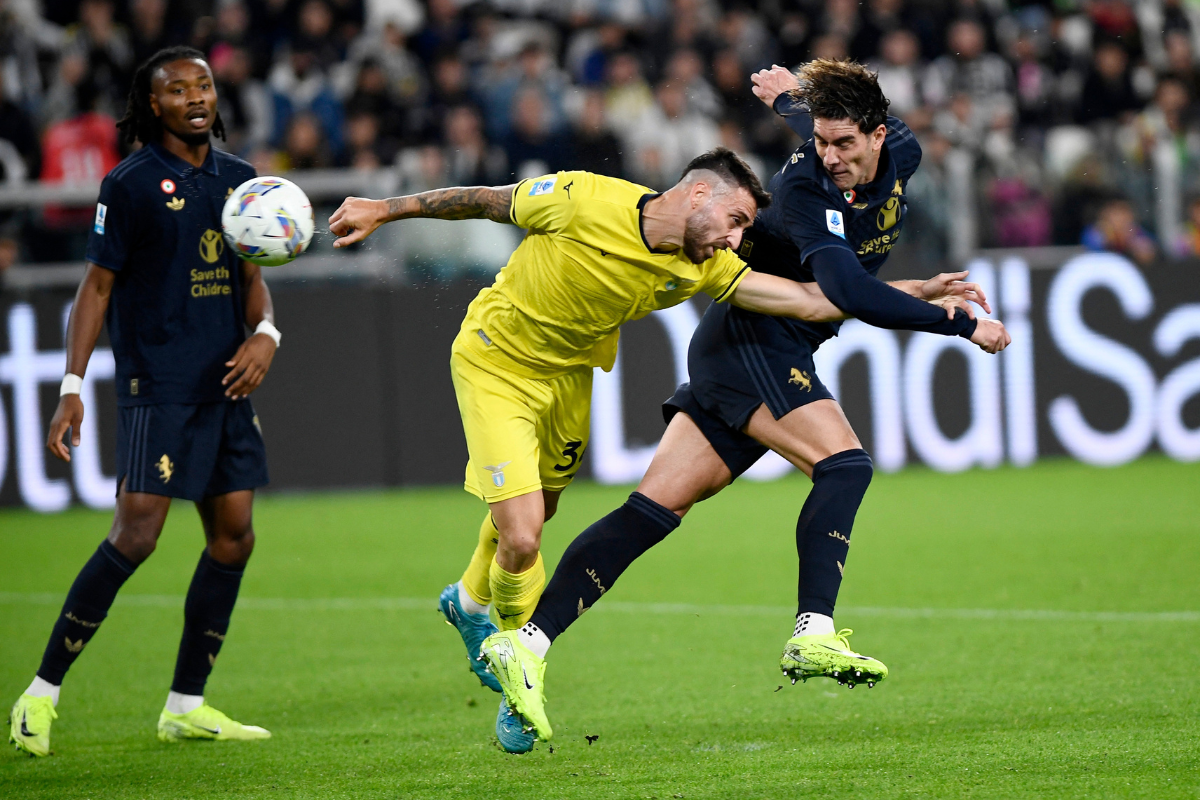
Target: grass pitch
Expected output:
[1042,627]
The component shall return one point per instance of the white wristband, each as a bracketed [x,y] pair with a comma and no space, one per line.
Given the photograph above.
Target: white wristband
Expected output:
[270,330]
[71,384]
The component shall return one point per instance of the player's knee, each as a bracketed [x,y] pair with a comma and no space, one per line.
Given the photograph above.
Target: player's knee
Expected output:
[521,542]
[135,539]
[233,546]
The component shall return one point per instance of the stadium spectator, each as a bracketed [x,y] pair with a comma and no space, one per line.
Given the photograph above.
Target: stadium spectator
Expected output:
[305,146]
[1108,92]
[1188,243]
[373,95]
[20,154]
[246,105]
[628,96]
[595,147]
[667,137]
[533,69]
[148,28]
[301,85]
[364,148]
[445,30]
[469,159]
[687,70]
[900,71]
[107,50]
[968,69]
[1116,230]
[882,18]
[533,147]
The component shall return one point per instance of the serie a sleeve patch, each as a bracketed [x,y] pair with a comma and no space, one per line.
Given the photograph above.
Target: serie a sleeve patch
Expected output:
[542,187]
[101,214]
[835,223]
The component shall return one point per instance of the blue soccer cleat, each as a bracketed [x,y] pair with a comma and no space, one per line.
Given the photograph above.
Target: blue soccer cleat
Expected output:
[473,628]
[510,730]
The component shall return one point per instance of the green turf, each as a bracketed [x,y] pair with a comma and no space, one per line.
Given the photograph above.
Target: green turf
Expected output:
[374,700]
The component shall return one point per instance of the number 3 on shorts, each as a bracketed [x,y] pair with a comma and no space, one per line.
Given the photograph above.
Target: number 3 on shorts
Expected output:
[571,452]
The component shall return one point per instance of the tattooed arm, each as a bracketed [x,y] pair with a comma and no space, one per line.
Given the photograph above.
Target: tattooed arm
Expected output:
[358,217]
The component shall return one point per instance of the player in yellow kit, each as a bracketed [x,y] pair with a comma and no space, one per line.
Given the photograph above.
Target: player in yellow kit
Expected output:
[598,252]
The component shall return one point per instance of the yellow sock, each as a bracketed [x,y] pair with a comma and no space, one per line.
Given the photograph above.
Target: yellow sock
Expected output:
[516,595]
[475,579]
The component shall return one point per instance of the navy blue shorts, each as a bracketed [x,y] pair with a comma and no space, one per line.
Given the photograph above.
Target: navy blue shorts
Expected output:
[190,451]
[739,361]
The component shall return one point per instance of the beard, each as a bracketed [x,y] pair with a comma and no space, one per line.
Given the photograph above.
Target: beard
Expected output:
[192,138]
[694,244]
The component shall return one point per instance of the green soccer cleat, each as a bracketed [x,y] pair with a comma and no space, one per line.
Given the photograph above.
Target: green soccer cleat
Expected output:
[829,655]
[205,722]
[29,724]
[522,675]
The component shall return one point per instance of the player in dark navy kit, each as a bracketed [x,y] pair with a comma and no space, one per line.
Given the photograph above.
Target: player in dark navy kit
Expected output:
[177,302]
[838,208]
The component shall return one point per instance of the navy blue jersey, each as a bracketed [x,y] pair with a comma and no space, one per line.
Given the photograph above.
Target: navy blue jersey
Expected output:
[176,314]
[809,213]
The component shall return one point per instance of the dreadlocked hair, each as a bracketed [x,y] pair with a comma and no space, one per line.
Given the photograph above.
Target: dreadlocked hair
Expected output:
[842,90]
[140,123]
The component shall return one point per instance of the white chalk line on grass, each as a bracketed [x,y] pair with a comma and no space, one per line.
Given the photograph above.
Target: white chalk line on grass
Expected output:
[691,609]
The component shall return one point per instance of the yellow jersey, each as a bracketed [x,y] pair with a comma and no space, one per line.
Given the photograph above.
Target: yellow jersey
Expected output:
[583,269]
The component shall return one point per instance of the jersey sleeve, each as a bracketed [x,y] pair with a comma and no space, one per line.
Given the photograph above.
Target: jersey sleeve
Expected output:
[794,114]
[546,203]
[812,218]
[726,271]
[112,229]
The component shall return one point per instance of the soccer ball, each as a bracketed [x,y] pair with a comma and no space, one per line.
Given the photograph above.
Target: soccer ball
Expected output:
[268,221]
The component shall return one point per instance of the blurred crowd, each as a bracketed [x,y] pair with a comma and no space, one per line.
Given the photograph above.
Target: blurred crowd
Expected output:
[1061,112]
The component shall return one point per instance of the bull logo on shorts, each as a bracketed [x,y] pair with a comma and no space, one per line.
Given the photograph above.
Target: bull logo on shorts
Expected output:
[801,379]
[166,468]
[498,473]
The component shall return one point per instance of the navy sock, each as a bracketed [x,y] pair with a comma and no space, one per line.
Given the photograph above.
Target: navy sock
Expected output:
[823,530]
[87,605]
[206,613]
[597,557]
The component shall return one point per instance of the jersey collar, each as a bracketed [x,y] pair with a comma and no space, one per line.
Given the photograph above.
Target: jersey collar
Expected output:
[179,166]
[641,205]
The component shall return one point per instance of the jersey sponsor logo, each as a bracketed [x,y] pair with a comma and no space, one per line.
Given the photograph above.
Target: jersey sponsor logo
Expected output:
[212,245]
[166,468]
[74,647]
[889,215]
[176,203]
[801,379]
[168,186]
[880,244]
[498,474]
[101,215]
[835,223]
[543,187]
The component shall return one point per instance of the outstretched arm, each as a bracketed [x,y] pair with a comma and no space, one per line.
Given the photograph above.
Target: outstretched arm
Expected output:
[358,217]
[780,297]
[860,294]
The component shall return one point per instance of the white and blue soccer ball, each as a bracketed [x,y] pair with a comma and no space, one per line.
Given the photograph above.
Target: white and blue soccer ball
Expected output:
[268,221]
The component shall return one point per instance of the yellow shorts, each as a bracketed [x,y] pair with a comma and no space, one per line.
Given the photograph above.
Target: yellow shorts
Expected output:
[523,434]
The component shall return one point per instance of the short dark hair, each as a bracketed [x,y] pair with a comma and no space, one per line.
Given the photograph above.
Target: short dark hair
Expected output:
[139,122]
[842,90]
[730,167]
